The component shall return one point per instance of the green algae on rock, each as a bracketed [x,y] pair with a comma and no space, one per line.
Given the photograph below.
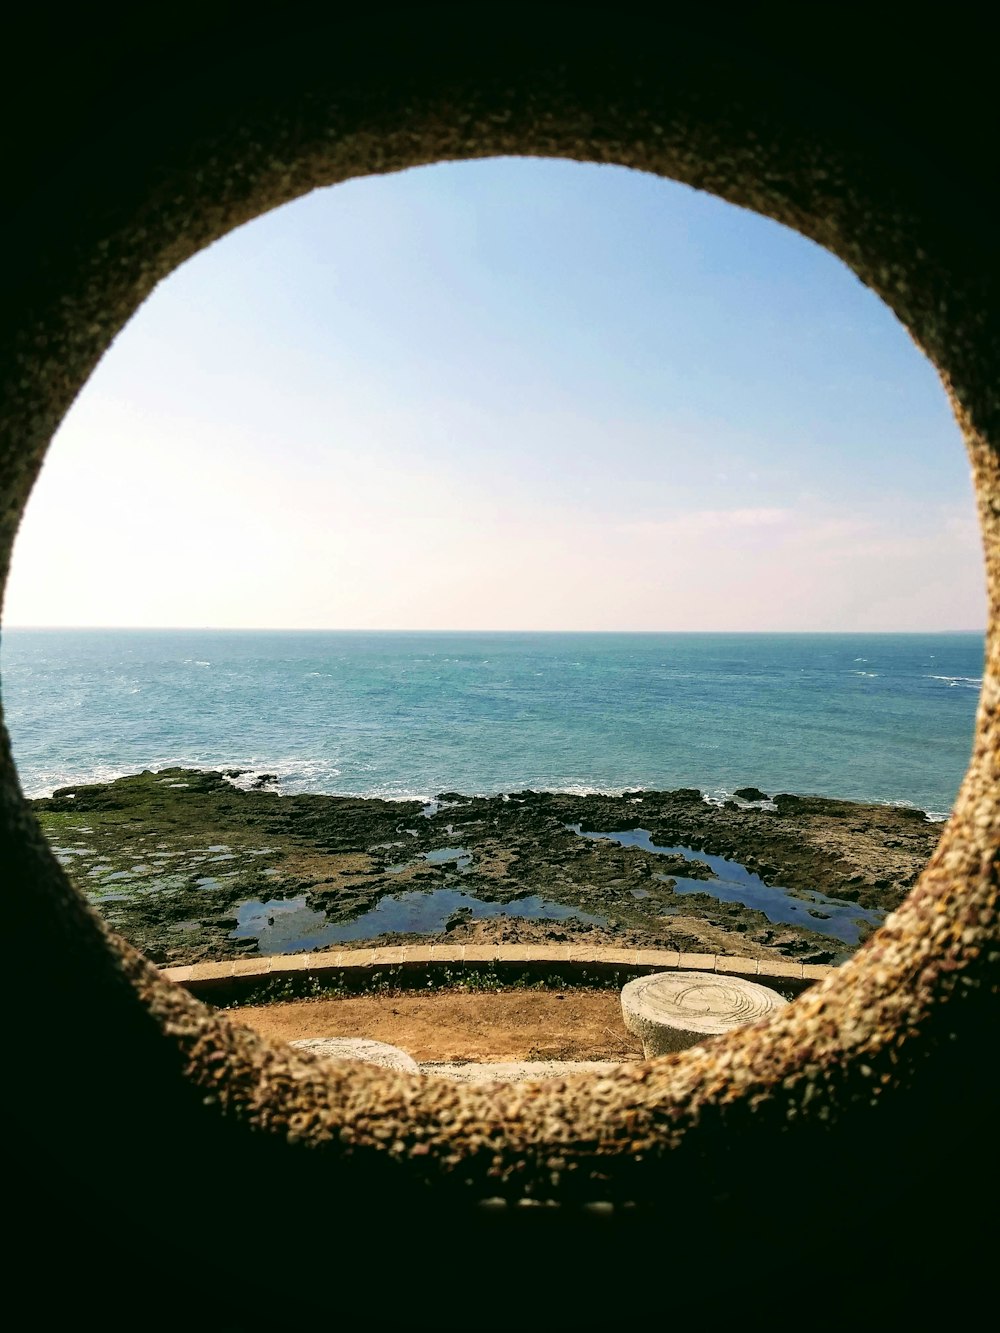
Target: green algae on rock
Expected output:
[170,858]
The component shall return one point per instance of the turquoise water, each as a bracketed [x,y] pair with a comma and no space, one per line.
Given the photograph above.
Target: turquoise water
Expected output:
[873,717]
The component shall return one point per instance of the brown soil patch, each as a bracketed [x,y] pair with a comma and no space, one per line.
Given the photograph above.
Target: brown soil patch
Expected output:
[497,1026]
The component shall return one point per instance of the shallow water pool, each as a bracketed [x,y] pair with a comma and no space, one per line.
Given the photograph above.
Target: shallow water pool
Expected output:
[290,926]
[735,884]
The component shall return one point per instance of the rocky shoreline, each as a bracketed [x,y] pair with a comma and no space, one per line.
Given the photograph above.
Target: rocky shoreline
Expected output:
[189,866]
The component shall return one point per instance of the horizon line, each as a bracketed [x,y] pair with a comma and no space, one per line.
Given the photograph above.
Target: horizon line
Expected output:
[355,629]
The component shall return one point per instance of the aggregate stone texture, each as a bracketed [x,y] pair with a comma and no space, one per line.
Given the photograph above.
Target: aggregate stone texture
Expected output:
[126,162]
[513,1071]
[669,1010]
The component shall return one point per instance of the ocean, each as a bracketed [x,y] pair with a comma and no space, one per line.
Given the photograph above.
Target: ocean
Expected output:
[874,717]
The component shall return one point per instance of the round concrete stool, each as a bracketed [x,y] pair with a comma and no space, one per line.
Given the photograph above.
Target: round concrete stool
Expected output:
[359,1048]
[670,1010]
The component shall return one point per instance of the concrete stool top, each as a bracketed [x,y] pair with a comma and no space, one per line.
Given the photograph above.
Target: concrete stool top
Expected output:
[359,1048]
[670,1010]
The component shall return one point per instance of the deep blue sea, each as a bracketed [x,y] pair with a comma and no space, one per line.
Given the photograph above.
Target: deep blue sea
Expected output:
[880,717]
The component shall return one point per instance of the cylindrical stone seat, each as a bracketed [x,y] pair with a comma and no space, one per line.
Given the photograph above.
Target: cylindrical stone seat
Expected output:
[359,1048]
[670,1010]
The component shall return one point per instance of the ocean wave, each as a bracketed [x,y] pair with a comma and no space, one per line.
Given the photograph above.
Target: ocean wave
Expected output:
[932,816]
[585,789]
[718,796]
[960,682]
[44,782]
[298,776]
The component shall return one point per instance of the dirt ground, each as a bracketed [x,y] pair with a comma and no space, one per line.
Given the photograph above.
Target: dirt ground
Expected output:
[573,1024]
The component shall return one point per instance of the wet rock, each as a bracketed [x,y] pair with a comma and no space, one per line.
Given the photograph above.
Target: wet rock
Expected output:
[751,794]
[334,853]
[458,918]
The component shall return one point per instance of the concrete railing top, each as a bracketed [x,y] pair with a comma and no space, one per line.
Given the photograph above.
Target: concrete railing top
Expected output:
[196,976]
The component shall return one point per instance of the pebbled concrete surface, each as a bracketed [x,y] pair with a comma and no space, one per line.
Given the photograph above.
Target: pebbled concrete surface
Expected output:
[515,1071]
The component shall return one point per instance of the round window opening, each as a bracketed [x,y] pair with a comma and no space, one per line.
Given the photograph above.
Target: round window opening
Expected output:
[861,1037]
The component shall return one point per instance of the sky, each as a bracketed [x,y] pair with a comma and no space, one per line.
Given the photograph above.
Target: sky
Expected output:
[513,394]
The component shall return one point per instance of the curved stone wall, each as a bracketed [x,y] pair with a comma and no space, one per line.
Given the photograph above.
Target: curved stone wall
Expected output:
[139,155]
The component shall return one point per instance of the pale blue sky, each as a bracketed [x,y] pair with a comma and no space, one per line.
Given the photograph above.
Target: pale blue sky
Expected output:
[513,394]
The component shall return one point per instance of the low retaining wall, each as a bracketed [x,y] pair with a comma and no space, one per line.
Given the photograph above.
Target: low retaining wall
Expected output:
[413,966]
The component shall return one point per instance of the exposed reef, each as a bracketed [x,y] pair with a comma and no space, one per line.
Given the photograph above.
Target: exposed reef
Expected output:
[188,866]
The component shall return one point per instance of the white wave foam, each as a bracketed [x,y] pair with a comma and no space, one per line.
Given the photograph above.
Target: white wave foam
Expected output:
[932,816]
[719,795]
[585,789]
[295,776]
[49,780]
[960,682]
[298,776]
